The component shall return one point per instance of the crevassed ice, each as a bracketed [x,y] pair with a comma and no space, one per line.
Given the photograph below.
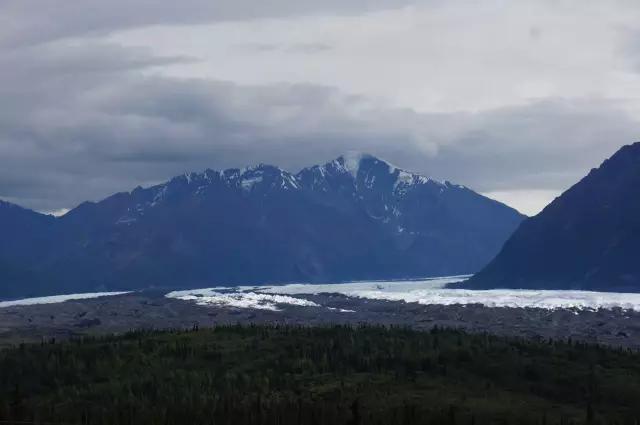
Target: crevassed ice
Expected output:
[432,291]
[356,288]
[426,291]
[239,299]
[270,297]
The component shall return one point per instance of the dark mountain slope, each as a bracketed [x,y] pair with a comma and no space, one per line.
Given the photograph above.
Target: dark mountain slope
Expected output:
[588,238]
[22,230]
[25,236]
[355,217]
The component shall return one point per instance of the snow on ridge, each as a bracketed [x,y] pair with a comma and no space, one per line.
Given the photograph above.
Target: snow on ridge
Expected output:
[249,182]
[351,161]
[289,180]
[245,178]
[406,179]
[54,299]
[250,176]
[159,196]
[403,178]
[127,220]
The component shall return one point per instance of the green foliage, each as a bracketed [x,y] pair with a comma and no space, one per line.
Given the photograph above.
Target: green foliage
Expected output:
[317,375]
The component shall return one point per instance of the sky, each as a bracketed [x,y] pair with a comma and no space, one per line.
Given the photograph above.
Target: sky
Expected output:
[515,99]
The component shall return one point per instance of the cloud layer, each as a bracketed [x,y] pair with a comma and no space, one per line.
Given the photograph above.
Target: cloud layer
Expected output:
[89,107]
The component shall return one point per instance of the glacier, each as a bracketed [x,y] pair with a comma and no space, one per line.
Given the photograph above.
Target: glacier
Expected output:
[54,299]
[243,299]
[433,291]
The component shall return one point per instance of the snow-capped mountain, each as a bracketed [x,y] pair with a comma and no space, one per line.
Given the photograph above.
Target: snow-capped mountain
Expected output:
[355,217]
[352,181]
[588,238]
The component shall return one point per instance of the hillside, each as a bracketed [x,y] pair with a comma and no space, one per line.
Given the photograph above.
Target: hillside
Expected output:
[330,375]
[588,238]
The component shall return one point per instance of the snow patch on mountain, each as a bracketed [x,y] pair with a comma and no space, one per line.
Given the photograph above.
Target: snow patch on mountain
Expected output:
[351,161]
[289,181]
[126,220]
[368,174]
[406,180]
[247,183]
[159,196]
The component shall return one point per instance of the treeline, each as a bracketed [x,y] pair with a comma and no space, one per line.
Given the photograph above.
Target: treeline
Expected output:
[282,375]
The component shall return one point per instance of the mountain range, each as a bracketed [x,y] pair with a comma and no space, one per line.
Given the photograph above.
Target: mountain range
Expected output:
[588,238]
[356,217]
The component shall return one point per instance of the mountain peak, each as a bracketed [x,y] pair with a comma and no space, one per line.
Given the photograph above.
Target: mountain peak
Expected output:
[625,153]
[260,167]
[350,161]
[366,170]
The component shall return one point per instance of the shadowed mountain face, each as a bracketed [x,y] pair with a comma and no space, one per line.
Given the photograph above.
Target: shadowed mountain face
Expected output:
[588,238]
[24,236]
[356,217]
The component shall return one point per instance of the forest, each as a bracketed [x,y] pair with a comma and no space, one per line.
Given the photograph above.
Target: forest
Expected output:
[279,374]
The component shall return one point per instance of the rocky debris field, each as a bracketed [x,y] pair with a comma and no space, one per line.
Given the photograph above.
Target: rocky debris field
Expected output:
[115,314]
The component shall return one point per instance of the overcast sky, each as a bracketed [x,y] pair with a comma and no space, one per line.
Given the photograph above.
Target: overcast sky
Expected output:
[515,99]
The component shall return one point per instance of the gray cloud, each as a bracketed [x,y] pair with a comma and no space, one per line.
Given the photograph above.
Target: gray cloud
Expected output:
[26,22]
[308,48]
[81,118]
[548,144]
[83,123]
[290,48]
[630,48]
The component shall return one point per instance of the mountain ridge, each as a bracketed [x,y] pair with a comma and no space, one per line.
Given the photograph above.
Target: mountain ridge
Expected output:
[355,217]
[587,238]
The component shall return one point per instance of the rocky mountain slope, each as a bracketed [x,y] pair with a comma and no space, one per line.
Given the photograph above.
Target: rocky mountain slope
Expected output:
[356,217]
[588,238]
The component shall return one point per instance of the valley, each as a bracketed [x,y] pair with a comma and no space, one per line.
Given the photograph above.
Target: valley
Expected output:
[319,213]
[609,319]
